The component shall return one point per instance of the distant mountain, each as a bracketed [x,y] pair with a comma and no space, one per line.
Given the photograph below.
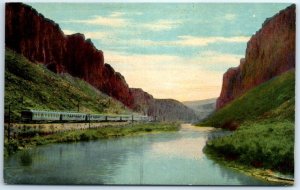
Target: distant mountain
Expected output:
[270,52]
[202,108]
[162,109]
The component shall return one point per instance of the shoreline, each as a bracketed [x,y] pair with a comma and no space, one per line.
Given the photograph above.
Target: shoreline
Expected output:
[87,134]
[259,173]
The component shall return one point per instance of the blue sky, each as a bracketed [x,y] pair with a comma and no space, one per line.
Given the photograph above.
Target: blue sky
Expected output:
[176,50]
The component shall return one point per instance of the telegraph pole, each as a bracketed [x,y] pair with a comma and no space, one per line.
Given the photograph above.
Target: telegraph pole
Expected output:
[78,105]
[8,128]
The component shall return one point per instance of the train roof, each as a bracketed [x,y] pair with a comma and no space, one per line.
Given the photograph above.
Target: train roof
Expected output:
[47,111]
[73,112]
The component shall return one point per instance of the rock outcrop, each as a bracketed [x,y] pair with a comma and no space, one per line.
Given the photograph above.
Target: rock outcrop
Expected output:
[42,41]
[161,109]
[270,52]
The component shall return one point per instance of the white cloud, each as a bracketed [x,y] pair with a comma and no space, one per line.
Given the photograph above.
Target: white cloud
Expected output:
[161,25]
[68,32]
[191,41]
[117,14]
[230,17]
[92,35]
[170,76]
[97,35]
[114,20]
[204,41]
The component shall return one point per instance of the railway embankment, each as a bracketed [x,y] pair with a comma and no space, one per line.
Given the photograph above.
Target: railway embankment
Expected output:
[23,136]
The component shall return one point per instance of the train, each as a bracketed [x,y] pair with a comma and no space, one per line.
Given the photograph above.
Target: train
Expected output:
[57,116]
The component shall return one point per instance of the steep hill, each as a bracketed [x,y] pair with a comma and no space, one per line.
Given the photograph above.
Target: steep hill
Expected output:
[270,52]
[272,100]
[29,85]
[41,41]
[162,109]
[264,120]
[202,108]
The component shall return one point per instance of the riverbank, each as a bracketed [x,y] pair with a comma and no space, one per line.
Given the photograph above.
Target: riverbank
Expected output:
[259,173]
[254,149]
[86,134]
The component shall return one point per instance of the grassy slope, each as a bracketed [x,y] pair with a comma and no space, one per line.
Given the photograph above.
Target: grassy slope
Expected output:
[43,89]
[266,135]
[260,103]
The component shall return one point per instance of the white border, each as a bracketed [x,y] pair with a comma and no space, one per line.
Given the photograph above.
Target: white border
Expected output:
[30,187]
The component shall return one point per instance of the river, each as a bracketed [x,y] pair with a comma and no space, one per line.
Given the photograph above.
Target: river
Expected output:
[172,158]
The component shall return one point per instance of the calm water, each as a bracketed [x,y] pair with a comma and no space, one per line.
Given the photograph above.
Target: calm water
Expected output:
[166,158]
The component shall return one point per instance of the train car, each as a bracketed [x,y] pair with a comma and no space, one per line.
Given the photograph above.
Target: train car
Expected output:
[96,117]
[69,116]
[113,118]
[37,115]
[144,118]
[126,117]
[137,118]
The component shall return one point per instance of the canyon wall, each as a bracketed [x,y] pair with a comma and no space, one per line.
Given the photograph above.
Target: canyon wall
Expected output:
[270,52]
[41,41]
[162,109]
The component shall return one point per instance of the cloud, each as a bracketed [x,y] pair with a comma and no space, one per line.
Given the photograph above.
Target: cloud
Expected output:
[92,35]
[191,41]
[113,20]
[68,32]
[161,25]
[171,76]
[230,17]
[117,14]
[204,41]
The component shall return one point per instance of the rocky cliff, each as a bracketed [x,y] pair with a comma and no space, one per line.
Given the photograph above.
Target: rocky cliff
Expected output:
[42,41]
[161,109]
[270,52]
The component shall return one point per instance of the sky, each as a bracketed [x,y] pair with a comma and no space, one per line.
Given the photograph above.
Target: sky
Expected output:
[178,50]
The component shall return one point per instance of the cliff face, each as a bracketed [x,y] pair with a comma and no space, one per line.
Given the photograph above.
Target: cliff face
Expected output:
[161,109]
[42,41]
[270,52]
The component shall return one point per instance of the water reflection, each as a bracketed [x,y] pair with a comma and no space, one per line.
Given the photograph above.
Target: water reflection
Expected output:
[166,158]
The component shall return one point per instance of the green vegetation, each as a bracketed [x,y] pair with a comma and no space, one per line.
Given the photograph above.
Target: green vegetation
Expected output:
[29,85]
[89,134]
[264,122]
[267,145]
[274,99]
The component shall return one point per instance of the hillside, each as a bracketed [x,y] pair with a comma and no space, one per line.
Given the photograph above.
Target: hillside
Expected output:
[162,109]
[258,101]
[270,52]
[29,85]
[202,108]
[274,100]
[264,120]
[41,40]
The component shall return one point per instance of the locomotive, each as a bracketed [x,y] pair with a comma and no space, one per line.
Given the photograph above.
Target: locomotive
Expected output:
[39,115]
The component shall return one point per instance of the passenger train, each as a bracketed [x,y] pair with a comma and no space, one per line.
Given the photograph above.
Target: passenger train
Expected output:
[38,115]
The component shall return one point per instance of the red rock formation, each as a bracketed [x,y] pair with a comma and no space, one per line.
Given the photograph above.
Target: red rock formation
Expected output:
[270,52]
[42,41]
